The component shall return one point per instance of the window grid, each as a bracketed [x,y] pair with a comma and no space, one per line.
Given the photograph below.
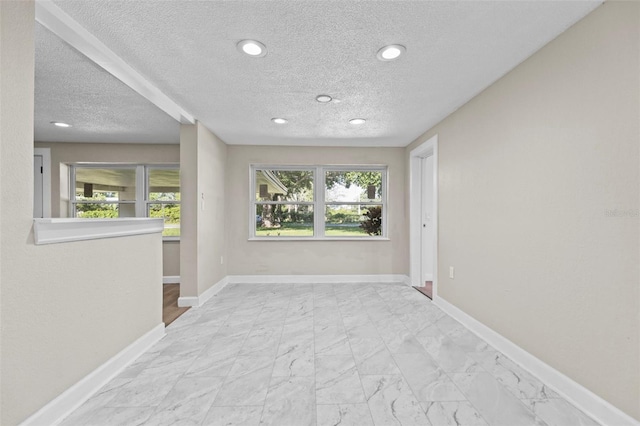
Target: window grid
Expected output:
[142,202]
[319,204]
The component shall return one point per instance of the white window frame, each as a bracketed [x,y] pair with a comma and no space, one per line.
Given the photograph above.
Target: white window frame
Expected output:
[142,187]
[147,202]
[318,202]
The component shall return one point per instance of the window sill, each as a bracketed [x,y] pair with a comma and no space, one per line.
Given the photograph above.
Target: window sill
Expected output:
[363,239]
[63,230]
[171,239]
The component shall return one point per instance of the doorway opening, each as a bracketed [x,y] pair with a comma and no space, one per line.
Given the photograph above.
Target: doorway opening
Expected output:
[424,217]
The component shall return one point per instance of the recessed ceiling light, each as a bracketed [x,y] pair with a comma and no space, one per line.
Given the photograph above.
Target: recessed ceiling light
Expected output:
[60,124]
[357,121]
[391,52]
[252,48]
[324,98]
[280,120]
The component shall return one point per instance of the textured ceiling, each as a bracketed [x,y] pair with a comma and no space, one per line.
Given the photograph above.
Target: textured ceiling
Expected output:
[72,89]
[454,51]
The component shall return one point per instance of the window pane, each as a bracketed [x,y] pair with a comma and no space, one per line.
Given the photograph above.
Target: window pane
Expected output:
[353,221]
[106,210]
[171,215]
[292,220]
[164,185]
[105,184]
[354,186]
[284,185]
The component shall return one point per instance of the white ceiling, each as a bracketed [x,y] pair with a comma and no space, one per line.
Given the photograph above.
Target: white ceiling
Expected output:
[72,89]
[187,49]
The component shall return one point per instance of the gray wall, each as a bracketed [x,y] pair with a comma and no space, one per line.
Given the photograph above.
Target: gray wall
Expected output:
[202,179]
[313,257]
[530,172]
[60,320]
[67,153]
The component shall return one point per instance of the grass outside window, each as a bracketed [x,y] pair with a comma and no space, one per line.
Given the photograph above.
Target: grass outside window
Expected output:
[352,200]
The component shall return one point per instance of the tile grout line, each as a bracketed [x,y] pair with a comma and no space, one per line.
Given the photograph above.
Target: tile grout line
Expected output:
[448,373]
[385,345]
[315,367]
[264,404]
[484,370]
[355,364]
[413,392]
[204,418]
[236,359]
[435,362]
[358,307]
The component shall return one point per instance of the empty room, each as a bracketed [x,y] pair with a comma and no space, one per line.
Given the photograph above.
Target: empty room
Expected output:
[319,212]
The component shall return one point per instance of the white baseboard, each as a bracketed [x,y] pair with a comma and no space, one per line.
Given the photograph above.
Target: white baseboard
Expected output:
[186,302]
[316,279]
[213,290]
[194,301]
[590,403]
[59,408]
[171,279]
[183,302]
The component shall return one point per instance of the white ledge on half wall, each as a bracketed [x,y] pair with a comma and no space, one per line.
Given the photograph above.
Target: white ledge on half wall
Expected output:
[63,230]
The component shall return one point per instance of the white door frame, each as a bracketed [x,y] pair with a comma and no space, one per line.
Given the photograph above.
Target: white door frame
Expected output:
[46,179]
[426,149]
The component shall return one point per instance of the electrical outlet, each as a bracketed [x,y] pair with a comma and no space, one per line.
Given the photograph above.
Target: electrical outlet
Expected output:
[222,260]
[451,272]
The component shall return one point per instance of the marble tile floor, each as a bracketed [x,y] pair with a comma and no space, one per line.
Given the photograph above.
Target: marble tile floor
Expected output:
[323,354]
